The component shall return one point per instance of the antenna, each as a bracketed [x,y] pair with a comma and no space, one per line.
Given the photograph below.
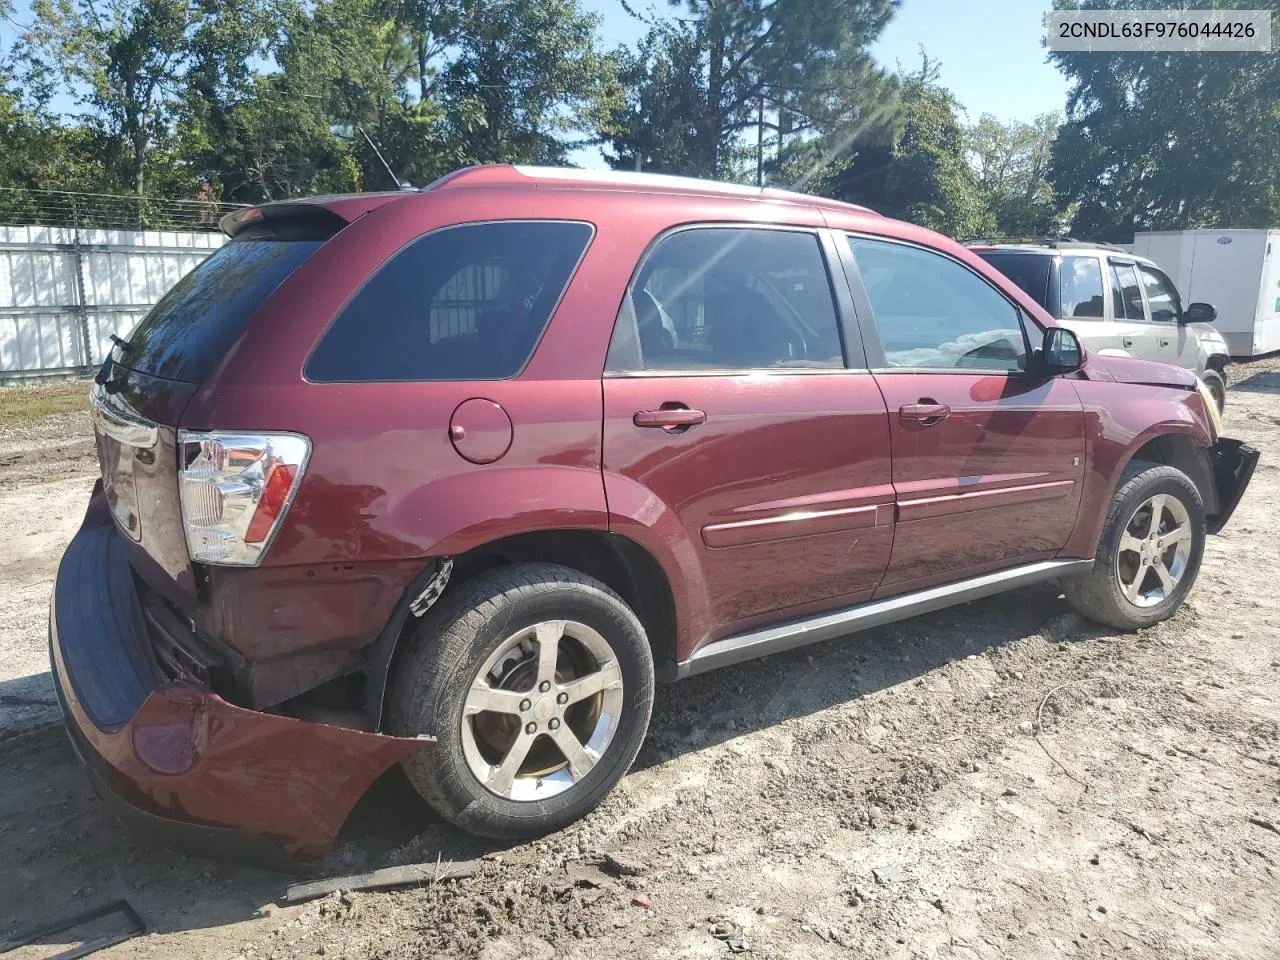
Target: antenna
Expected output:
[381,159]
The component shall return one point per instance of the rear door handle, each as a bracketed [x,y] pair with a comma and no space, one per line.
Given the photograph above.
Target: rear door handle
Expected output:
[926,411]
[1164,343]
[1127,341]
[669,418]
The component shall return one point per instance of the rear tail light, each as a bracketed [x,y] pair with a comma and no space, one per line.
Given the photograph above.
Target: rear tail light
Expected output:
[236,489]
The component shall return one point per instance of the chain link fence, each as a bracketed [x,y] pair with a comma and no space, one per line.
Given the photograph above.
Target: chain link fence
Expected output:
[76,267]
[21,206]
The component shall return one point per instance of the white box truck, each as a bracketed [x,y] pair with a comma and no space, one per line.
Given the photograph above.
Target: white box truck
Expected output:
[1238,271]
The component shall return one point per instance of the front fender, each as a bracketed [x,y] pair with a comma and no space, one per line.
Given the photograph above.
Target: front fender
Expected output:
[1120,423]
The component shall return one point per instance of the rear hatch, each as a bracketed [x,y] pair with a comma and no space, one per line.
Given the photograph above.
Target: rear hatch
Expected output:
[150,376]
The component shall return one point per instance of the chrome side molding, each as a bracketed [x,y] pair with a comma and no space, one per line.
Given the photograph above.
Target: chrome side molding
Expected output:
[874,613]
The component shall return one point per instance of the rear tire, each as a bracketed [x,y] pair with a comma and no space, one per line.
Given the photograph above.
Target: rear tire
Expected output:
[506,720]
[1143,571]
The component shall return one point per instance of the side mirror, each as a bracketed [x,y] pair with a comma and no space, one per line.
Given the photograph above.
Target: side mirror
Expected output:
[1061,352]
[1200,313]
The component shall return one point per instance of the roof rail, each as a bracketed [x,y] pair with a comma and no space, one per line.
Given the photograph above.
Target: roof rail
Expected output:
[523,175]
[1054,243]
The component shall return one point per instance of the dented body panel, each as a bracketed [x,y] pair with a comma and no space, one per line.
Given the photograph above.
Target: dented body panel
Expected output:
[177,752]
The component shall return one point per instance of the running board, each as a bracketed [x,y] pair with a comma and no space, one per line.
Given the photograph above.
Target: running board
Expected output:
[827,626]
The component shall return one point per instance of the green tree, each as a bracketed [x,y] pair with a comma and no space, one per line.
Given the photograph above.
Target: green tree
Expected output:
[230,38]
[652,125]
[124,59]
[922,174]
[1169,140]
[37,150]
[348,73]
[1011,162]
[525,75]
[709,74]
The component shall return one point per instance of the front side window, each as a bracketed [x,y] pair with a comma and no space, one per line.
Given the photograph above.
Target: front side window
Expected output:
[934,313]
[1126,293]
[728,298]
[1161,295]
[1081,281]
[464,303]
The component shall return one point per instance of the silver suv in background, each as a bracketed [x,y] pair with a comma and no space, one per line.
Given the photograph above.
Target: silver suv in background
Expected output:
[1117,303]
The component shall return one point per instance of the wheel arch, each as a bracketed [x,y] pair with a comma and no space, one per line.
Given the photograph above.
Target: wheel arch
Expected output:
[619,562]
[1182,443]
[1217,362]
[1182,452]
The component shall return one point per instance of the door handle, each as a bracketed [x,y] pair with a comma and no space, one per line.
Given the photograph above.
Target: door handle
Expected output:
[669,418]
[1164,343]
[927,412]
[1126,341]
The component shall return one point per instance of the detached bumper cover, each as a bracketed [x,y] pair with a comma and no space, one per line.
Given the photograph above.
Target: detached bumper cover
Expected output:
[177,757]
[1233,462]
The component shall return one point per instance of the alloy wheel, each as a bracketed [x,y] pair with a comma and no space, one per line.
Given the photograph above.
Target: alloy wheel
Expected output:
[542,710]
[1154,550]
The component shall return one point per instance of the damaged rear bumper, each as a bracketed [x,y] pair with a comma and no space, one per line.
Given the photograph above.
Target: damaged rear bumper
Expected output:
[1233,462]
[177,759]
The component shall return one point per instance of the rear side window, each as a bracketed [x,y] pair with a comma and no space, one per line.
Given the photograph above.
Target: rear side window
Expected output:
[1030,271]
[193,326]
[1125,292]
[1081,287]
[463,303]
[729,298]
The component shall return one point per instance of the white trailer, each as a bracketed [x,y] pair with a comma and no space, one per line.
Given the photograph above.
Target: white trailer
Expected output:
[1238,271]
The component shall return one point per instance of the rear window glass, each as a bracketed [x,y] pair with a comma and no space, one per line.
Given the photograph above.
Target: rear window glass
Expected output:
[193,326]
[1030,271]
[464,303]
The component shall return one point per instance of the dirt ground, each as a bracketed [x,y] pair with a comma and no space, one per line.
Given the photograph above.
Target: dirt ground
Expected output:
[1004,779]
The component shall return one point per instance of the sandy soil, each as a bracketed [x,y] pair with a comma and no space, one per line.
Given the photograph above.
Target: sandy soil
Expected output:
[47,468]
[1003,779]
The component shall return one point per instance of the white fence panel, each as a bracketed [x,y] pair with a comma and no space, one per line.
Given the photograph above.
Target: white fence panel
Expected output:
[44,322]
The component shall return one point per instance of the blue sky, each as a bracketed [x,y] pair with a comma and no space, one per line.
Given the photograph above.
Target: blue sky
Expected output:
[991,52]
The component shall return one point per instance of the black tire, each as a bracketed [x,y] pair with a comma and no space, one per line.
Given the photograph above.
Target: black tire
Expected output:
[446,653]
[1217,386]
[1098,593]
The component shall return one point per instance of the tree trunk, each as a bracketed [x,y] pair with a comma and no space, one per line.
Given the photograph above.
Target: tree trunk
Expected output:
[713,119]
[424,88]
[139,161]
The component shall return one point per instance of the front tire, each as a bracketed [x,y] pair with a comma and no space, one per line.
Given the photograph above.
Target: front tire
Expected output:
[537,682]
[1149,553]
[1217,387]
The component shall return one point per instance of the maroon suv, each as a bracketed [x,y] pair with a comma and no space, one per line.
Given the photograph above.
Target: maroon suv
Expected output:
[448,477]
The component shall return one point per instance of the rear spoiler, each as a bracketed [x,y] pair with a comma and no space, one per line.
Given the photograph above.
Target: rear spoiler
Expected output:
[332,213]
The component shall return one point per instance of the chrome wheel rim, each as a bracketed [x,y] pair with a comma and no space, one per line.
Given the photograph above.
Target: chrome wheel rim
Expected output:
[542,710]
[1154,550]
